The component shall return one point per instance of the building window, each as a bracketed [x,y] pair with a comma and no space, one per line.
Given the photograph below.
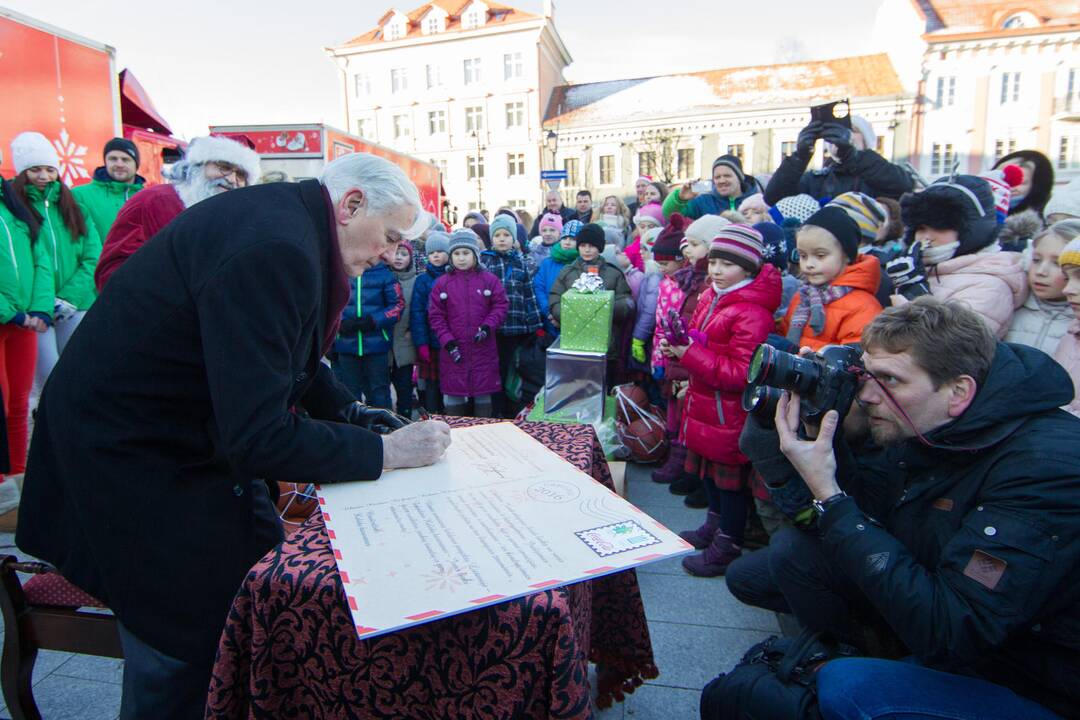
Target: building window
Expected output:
[515,165]
[472,19]
[1020,20]
[515,114]
[472,71]
[395,31]
[607,169]
[434,76]
[1069,153]
[738,151]
[1003,148]
[399,80]
[1072,91]
[474,119]
[474,167]
[941,158]
[436,122]
[646,162]
[401,127]
[517,204]
[787,149]
[361,85]
[441,164]
[570,165]
[363,127]
[879,146]
[684,163]
[946,92]
[512,66]
[433,25]
[1010,87]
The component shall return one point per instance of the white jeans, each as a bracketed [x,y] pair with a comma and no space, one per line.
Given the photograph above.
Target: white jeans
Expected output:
[50,344]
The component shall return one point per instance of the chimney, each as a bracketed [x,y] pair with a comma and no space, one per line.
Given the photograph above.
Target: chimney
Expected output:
[549,10]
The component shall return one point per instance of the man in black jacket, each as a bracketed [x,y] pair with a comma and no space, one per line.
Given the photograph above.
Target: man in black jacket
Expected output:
[172,403]
[852,165]
[960,527]
[553,205]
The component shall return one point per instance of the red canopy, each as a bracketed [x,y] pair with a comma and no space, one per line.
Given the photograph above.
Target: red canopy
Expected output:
[136,108]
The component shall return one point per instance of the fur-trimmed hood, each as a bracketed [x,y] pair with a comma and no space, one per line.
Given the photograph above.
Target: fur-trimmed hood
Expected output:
[963,203]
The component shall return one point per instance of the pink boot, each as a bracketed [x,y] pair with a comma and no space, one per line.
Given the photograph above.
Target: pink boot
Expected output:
[701,537]
[673,467]
[722,551]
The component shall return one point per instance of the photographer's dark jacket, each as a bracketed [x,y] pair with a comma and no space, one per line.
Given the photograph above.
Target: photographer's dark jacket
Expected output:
[973,552]
[173,398]
[866,172]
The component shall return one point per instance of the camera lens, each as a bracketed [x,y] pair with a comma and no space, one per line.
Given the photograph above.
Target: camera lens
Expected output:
[759,364]
[788,372]
[761,401]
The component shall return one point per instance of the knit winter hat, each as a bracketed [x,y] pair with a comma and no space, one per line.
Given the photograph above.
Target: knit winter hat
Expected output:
[651,212]
[551,220]
[667,244]
[839,223]
[732,162]
[799,206]
[775,244]
[464,238]
[591,234]
[571,228]
[867,213]
[504,222]
[705,228]
[437,241]
[484,233]
[1070,255]
[474,215]
[1002,180]
[123,145]
[962,202]
[753,202]
[1065,200]
[32,149]
[741,244]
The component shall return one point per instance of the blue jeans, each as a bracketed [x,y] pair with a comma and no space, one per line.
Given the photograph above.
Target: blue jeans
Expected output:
[868,689]
[367,377]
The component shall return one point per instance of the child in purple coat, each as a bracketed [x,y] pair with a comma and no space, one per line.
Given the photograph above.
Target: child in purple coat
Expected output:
[467,306]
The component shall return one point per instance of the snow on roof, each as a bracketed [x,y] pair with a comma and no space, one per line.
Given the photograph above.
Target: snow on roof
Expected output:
[665,95]
[497,15]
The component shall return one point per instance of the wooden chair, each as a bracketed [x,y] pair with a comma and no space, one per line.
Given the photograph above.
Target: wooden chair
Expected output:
[47,613]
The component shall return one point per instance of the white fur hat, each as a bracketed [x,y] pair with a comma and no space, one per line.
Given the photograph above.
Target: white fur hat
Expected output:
[1065,200]
[32,149]
[706,227]
[862,126]
[212,148]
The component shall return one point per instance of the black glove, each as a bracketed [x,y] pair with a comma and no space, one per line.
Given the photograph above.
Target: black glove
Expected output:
[374,419]
[454,351]
[839,136]
[908,274]
[807,137]
[354,326]
[482,334]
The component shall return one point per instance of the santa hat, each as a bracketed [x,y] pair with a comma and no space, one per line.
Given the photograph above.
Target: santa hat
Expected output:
[214,148]
[1002,180]
[32,149]
[650,212]
[670,238]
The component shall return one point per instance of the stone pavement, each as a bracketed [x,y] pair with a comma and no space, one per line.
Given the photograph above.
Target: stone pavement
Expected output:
[698,630]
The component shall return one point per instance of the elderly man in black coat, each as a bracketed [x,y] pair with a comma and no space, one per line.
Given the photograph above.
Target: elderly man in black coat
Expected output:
[175,400]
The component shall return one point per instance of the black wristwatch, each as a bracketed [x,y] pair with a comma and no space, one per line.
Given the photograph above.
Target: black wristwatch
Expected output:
[820,506]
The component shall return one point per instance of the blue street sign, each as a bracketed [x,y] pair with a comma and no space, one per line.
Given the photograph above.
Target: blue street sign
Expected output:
[552,174]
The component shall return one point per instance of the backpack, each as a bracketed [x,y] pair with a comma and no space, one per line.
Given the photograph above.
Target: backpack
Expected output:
[775,680]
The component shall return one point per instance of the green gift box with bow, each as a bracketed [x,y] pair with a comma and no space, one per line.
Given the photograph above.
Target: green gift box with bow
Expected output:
[585,320]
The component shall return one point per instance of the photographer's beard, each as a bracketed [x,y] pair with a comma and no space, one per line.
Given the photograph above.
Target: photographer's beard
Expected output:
[196,187]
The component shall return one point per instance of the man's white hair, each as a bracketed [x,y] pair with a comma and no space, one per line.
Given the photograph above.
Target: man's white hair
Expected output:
[385,186]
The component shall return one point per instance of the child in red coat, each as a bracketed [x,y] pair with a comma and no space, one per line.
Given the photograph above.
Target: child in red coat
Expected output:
[734,315]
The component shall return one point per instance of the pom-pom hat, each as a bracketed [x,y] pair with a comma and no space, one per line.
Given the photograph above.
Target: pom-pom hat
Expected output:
[1002,181]
[437,241]
[741,244]
[465,238]
[666,247]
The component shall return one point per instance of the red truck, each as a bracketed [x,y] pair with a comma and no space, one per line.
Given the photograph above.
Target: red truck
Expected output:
[66,87]
[301,151]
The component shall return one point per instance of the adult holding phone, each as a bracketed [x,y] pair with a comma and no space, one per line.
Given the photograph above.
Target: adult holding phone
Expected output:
[851,165]
[730,186]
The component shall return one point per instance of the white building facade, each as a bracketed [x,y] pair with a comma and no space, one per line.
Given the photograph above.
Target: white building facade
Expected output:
[462,84]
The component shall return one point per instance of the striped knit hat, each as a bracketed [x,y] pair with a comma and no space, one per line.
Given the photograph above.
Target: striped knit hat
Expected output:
[1070,255]
[741,244]
[867,213]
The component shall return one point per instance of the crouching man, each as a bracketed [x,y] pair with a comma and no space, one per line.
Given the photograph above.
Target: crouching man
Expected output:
[957,524]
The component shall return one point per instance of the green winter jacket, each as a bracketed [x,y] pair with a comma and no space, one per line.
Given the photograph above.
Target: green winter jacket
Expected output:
[73,261]
[102,199]
[26,276]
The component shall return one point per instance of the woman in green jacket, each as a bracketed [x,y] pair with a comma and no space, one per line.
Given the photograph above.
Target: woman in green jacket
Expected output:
[71,242]
[26,300]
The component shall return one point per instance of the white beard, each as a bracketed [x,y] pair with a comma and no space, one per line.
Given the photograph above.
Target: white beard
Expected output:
[195,187]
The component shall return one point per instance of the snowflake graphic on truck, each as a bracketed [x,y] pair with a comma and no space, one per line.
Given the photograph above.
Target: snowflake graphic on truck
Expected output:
[72,159]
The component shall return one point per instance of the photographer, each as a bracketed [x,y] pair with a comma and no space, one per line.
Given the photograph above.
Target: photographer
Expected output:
[851,164]
[960,529]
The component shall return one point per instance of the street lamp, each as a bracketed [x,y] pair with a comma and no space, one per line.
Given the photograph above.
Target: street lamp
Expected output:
[551,141]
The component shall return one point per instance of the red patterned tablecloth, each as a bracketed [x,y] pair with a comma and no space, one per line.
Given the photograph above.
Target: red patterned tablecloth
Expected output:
[290,649]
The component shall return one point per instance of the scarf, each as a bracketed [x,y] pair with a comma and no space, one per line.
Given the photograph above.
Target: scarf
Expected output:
[721,292]
[563,256]
[691,276]
[811,308]
[934,254]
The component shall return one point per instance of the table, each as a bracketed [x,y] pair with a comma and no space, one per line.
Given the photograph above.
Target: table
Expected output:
[289,648]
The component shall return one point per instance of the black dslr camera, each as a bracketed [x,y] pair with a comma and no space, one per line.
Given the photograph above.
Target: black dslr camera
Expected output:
[827,380]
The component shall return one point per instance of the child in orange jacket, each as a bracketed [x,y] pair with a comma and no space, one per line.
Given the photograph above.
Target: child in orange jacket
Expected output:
[836,299]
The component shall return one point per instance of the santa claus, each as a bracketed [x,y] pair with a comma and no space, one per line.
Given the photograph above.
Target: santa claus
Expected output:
[212,165]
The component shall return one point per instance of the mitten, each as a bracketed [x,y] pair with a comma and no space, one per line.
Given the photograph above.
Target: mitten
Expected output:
[908,274]
[63,310]
[482,334]
[425,354]
[696,336]
[454,351]
[807,137]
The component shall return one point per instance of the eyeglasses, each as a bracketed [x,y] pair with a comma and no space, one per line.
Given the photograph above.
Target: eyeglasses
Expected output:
[227,169]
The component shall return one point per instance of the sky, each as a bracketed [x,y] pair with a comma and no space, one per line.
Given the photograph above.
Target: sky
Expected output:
[255,62]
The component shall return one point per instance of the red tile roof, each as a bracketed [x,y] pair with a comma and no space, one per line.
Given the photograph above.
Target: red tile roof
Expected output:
[953,17]
[497,15]
[802,83]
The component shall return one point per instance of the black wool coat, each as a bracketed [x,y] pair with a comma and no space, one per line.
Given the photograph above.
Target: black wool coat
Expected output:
[172,401]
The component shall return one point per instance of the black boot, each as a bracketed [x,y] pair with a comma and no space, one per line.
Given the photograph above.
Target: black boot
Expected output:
[697,499]
[685,485]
